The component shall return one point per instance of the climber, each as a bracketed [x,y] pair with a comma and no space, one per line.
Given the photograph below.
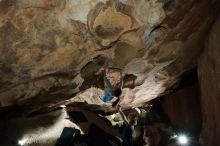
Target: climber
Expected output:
[111,91]
[130,122]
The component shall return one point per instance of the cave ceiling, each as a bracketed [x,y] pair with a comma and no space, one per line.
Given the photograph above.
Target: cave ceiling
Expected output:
[51,50]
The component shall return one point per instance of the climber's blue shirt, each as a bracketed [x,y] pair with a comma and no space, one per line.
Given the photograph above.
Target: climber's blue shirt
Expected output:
[107,98]
[108,93]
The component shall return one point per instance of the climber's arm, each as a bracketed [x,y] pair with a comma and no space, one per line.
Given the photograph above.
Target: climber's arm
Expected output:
[122,115]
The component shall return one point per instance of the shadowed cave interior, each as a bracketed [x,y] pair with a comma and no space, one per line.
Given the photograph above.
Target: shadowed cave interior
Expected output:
[56,55]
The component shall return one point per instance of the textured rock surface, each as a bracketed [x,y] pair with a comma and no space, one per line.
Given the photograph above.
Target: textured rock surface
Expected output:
[183,109]
[51,49]
[209,77]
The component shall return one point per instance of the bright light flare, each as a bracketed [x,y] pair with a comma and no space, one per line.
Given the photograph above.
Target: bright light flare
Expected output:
[21,142]
[182,139]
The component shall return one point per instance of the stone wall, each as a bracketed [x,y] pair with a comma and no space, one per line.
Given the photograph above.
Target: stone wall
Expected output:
[209,78]
[184,110]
